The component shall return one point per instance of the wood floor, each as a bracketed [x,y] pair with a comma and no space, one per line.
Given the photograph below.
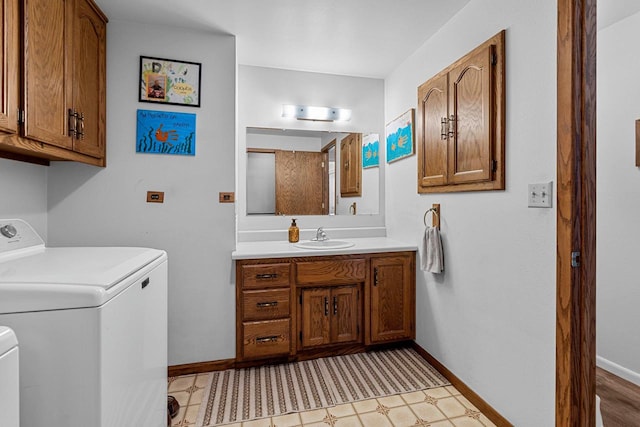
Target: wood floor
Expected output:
[620,400]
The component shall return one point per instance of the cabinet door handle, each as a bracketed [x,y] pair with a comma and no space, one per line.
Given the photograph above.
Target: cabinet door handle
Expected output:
[452,126]
[335,306]
[443,128]
[80,127]
[264,340]
[375,276]
[267,304]
[326,306]
[72,123]
[266,276]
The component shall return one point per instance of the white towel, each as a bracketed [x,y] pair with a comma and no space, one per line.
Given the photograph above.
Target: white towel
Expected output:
[432,256]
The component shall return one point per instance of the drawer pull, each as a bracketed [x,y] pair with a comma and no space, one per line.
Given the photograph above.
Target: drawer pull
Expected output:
[266,276]
[335,306]
[267,304]
[264,340]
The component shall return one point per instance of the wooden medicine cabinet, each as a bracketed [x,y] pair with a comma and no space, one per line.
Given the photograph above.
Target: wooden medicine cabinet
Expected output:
[460,123]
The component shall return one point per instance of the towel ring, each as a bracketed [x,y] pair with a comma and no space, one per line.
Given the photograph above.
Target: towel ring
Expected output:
[434,211]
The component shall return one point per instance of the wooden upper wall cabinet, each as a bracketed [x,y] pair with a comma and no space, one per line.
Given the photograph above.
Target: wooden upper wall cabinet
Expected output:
[460,123]
[351,165]
[63,113]
[9,65]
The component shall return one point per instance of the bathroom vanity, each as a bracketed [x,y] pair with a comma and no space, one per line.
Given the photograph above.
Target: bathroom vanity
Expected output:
[296,303]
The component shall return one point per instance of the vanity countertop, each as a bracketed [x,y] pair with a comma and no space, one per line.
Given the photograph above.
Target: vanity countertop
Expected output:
[281,249]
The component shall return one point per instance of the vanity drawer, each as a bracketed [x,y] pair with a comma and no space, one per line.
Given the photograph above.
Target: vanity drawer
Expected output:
[266,338]
[263,305]
[331,272]
[260,276]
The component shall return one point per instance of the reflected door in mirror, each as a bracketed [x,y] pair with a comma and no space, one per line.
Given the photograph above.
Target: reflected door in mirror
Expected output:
[299,183]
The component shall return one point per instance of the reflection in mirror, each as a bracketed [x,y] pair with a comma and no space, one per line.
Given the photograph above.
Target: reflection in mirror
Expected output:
[296,172]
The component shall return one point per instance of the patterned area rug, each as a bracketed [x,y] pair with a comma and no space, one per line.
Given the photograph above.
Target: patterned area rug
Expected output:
[243,394]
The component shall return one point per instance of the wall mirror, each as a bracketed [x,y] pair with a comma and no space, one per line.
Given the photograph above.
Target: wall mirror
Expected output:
[309,172]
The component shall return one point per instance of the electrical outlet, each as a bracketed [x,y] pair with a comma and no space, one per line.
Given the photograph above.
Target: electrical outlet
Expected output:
[155,196]
[229,197]
[541,195]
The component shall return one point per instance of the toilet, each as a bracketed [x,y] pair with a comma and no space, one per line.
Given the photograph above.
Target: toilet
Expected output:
[9,386]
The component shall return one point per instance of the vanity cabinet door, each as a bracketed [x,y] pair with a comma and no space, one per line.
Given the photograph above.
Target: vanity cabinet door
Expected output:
[345,316]
[316,322]
[330,315]
[392,298]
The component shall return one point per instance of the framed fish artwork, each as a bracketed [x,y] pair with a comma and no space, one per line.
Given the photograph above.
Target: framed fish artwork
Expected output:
[370,151]
[166,132]
[167,81]
[400,137]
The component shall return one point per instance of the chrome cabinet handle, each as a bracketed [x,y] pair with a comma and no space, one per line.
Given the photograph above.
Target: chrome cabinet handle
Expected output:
[375,276]
[335,306]
[326,306]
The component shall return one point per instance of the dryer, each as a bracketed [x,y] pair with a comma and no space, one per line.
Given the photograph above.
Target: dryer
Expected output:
[92,324]
[9,373]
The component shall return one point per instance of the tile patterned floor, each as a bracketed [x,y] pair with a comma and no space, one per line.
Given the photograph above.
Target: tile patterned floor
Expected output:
[436,407]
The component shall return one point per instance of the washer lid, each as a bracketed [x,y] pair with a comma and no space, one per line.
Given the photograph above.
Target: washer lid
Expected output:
[60,278]
[7,340]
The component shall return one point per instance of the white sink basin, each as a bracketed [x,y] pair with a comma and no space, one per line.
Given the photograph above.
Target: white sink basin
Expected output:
[324,244]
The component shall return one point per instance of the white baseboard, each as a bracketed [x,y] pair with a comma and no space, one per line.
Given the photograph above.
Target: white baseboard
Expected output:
[618,370]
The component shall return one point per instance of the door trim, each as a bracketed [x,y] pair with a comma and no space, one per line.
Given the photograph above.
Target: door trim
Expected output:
[576,210]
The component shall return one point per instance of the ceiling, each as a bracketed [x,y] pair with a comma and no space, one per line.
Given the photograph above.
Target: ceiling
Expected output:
[365,38]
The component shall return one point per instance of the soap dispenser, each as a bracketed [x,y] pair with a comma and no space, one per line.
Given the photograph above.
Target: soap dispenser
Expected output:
[294,232]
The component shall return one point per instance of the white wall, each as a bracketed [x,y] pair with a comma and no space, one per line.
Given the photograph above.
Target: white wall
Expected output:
[93,206]
[261,94]
[23,193]
[618,204]
[490,318]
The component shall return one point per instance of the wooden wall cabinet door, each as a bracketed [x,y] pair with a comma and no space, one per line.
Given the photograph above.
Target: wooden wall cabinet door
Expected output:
[65,78]
[351,165]
[460,123]
[330,315]
[89,79]
[392,298]
[47,59]
[63,113]
[9,65]
[432,131]
[471,103]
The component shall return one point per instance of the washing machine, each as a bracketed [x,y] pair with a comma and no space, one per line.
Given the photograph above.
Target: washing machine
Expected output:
[9,386]
[92,325]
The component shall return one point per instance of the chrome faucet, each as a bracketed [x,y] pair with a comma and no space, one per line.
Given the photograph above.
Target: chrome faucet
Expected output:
[321,236]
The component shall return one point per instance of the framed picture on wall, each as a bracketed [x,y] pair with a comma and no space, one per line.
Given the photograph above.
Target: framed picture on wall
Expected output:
[400,137]
[166,132]
[167,81]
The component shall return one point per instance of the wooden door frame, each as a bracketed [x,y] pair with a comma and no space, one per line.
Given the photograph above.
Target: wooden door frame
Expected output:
[576,211]
[325,186]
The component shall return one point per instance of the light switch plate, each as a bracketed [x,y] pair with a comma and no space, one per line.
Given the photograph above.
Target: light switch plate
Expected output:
[541,195]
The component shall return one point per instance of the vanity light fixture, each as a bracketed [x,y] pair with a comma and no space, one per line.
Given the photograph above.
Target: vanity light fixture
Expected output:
[308,112]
